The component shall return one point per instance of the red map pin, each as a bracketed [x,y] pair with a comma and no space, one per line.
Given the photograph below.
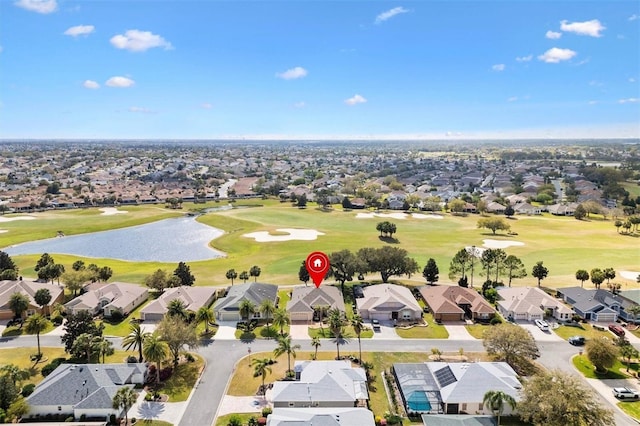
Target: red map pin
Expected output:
[317,265]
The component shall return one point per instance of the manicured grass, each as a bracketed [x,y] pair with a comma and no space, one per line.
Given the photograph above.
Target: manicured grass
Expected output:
[581,329]
[617,371]
[325,333]
[181,382]
[631,408]
[244,417]
[431,331]
[16,330]
[262,332]
[477,330]
[154,422]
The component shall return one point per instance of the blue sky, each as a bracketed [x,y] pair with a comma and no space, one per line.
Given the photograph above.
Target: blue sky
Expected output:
[319,69]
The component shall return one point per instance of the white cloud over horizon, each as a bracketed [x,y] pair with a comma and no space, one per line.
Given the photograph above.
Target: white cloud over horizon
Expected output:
[139,41]
[384,16]
[39,6]
[634,17]
[292,74]
[119,81]
[628,101]
[79,30]
[90,84]
[556,55]
[498,67]
[355,99]
[591,28]
[141,110]
[300,104]
[524,58]
[206,105]
[553,35]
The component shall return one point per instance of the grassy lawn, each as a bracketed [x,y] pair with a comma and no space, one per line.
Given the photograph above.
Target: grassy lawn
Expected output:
[477,330]
[244,417]
[631,408]
[16,330]
[617,371]
[262,332]
[585,330]
[181,382]
[325,333]
[432,331]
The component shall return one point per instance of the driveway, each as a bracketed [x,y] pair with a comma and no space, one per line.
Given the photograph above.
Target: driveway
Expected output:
[458,332]
[604,388]
[242,404]
[167,411]
[387,331]
[539,335]
[226,330]
[299,331]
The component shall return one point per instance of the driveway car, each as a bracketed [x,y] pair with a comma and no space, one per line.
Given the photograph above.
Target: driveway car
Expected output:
[625,393]
[542,325]
[577,340]
[616,329]
[376,324]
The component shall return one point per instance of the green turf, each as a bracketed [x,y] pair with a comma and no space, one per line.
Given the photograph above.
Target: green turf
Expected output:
[617,371]
[432,331]
[631,408]
[182,380]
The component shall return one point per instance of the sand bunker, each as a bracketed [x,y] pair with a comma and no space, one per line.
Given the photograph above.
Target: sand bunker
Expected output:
[425,216]
[110,211]
[499,244]
[401,216]
[3,230]
[11,219]
[291,234]
[630,275]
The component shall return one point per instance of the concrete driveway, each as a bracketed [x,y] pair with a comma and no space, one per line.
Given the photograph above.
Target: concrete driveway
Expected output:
[458,332]
[299,331]
[167,411]
[242,404]
[539,335]
[604,388]
[387,331]
[226,330]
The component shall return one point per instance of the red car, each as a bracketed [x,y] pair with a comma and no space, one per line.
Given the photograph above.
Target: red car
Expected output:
[616,329]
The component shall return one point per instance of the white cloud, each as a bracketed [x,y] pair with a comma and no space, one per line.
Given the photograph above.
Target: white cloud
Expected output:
[390,14]
[140,110]
[553,35]
[555,55]
[206,105]
[356,99]
[80,30]
[631,79]
[589,28]
[90,84]
[512,99]
[139,41]
[634,17]
[628,101]
[292,74]
[524,58]
[593,102]
[300,104]
[498,67]
[40,6]
[118,81]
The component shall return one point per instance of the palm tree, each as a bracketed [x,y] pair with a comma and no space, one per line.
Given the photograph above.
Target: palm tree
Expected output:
[262,367]
[281,319]
[315,343]
[358,327]
[105,348]
[205,315]
[86,343]
[155,350]
[267,309]
[176,308]
[15,373]
[634,309]
[19,304]
[124,399]
[285,347]
[628,352]
[247,309]
[36,324]
[336,326]
[135,339]
[495,401]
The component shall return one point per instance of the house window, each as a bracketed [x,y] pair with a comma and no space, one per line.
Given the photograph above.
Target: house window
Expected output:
[464,407]
[291,404]
[481,406]
[59,408]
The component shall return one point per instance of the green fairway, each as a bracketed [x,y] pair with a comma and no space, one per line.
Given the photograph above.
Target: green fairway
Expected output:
[564,244]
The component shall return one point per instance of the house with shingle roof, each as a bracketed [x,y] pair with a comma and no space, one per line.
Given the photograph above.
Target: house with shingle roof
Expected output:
[117,296]
[598,305]
[387,302]
[454,303]
[305,300]
[193,298]
[530,304]
[88,389]
[28,289]
[333,416]
[228,308]
[322,384]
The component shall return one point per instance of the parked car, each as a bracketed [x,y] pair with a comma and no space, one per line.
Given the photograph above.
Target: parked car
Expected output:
[624,393]
[542,325]
[616,329]
[375,324]
[577,340]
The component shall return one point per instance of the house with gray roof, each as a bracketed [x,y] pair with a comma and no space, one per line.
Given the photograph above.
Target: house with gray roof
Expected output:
[305,300]
[28,289]
[77,389]
[322,384]
[228,308]
[334,416]
[388,302]
[122,297]
[453,388]
[458,420]
[193,298]
[598,305]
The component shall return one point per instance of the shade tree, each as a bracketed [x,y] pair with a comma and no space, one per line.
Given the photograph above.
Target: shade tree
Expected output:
[344,265]
[158,280]
[77,324]
[511,344]
[430,271]
[183,272]
[303,273]
[539,271]
[8,269]
[602,353]
[388,261]
[582,276]
[597,277]
[494,224]
[177,334]
[514,268]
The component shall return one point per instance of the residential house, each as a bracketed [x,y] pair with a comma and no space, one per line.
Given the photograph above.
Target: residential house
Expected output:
[567,209]
[458,420]
[228,308]
[28,289]
[530,304]
[388,302]
[322,384]
[193,298]
[396,200]
[526,208]
[598,305]
[455,303]
[122,297]
[493,207]
[454,388]
[333,416]
[84,389]
[305,300]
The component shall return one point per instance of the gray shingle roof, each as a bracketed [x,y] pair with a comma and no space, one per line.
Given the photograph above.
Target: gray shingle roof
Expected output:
[254,292]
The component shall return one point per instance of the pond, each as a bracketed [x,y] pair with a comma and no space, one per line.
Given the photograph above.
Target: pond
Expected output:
[170,240]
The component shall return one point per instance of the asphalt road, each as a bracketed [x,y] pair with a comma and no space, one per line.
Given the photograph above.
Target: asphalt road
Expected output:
[222,356]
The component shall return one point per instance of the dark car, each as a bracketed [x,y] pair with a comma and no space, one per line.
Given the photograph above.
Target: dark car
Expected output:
[376,324]
[616,329]
[577,340]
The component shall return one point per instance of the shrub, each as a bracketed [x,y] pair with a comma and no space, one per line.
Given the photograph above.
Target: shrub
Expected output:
[27,389]
[116,316]
[133,420]
[235,420]
[189,357]
[496,320]
[266,411]
[48,369]
[69,419]
[165,373]
[132,359]
[57,319]
[253,421]
[112,419]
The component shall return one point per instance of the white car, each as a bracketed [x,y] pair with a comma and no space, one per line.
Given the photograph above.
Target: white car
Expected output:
[624,393]
[542,325]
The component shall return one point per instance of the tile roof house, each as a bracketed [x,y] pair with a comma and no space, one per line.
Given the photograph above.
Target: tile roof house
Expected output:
[322,384]
[28,289]
[122,297]
[228,308]
[453,388]
[304,300]
[333,416]
[84,389]
[387,302]
[530,303]
[193,298]
[454,303]
[598,305]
